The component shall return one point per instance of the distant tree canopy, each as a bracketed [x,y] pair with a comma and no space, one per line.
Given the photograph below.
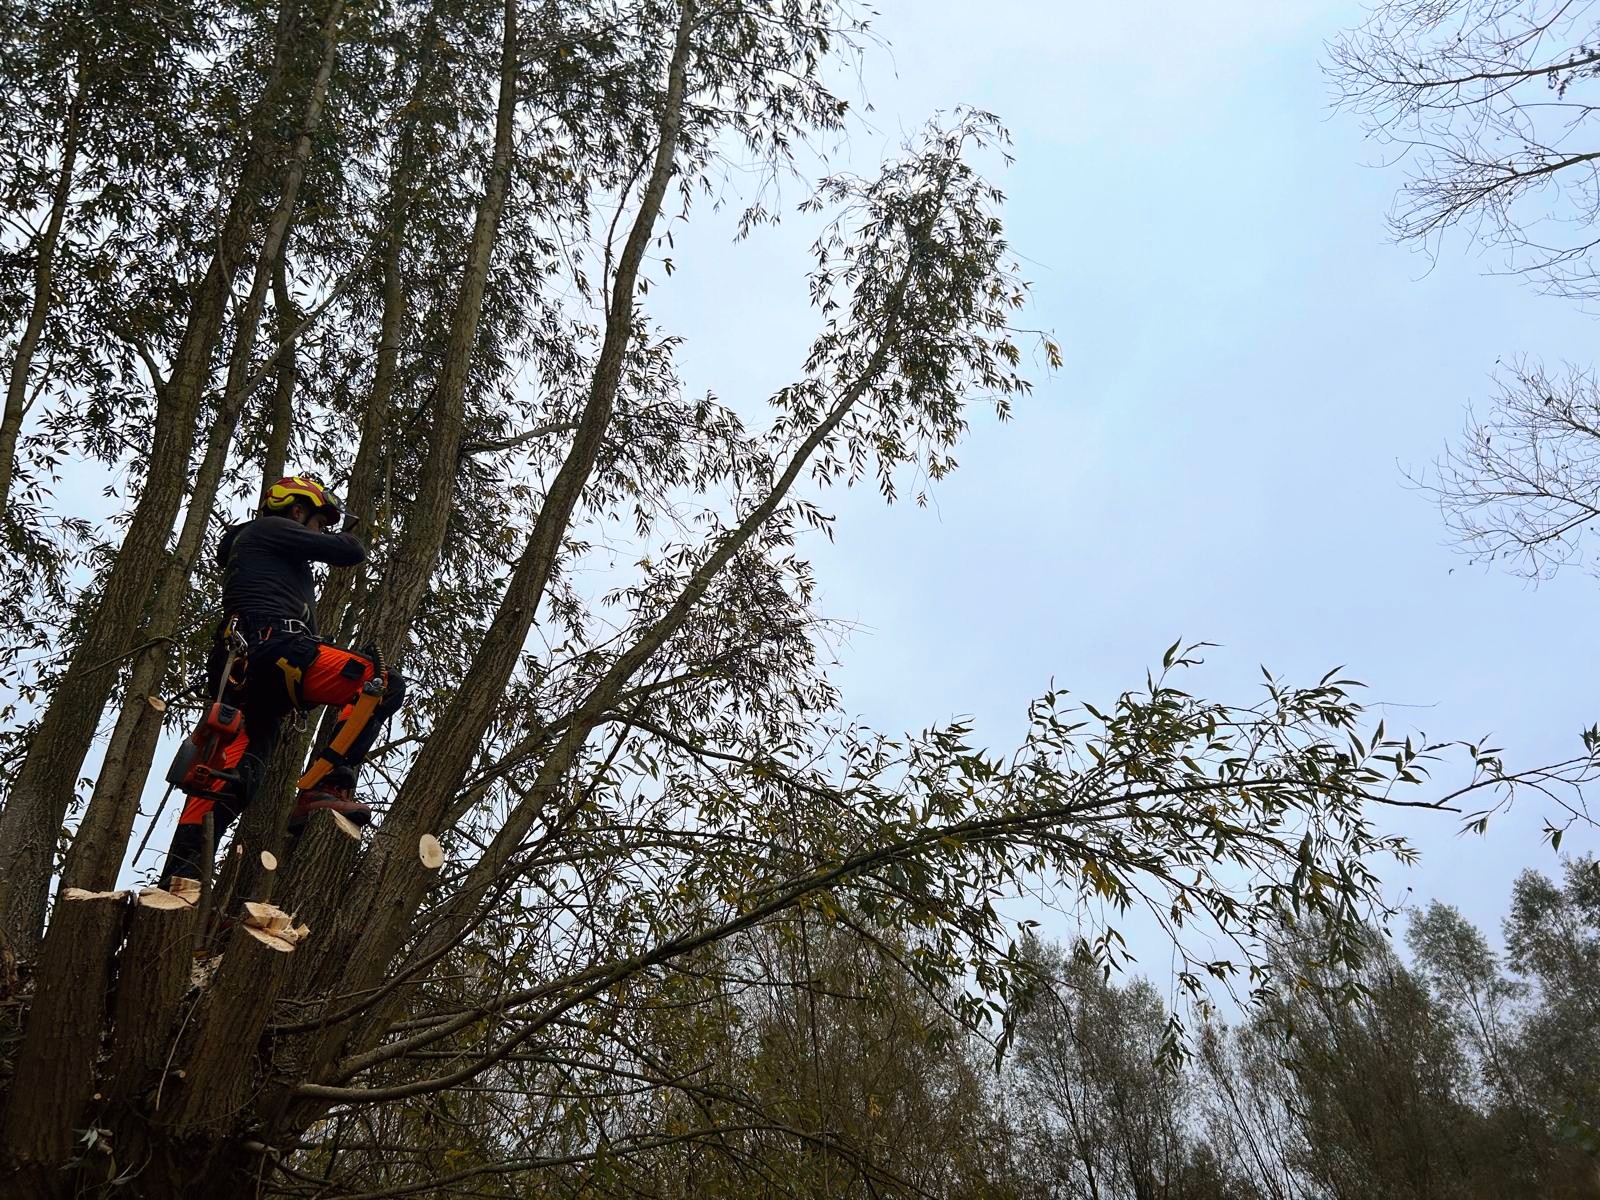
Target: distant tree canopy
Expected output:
[1461,1074]
[410,246]
[1453,1077]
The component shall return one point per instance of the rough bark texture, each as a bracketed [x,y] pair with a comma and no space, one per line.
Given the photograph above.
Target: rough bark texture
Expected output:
[156,967]
[55,1070]
[222,1068]
[318,872]
[312,888]
[93,861]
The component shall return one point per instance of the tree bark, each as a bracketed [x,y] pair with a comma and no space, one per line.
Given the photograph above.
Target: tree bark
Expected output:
[222,1067]
[39,311]
[155,968]
[318,868]
[55,1072]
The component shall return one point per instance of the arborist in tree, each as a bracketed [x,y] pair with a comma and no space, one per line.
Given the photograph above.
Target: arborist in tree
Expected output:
[268,661]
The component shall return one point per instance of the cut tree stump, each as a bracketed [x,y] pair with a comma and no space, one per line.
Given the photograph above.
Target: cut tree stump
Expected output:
[154,970]
[55,1072]
[314,881]
[221,1071]
[430,852]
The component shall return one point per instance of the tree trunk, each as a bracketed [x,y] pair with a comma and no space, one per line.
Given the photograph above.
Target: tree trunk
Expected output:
[221,1065]
[339,595]
[280,415]
[411,565]
[55,1071]
[605,693]
[155,975]
[391,884]
[44,270]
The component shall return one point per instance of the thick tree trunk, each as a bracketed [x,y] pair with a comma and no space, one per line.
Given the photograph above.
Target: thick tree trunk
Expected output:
[55,1071]
[314,881]
[156,968]
[317,870]
[222,1067]
[39,311]
[392,883]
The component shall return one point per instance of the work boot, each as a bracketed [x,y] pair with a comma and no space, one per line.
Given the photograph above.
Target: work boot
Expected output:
[328,795]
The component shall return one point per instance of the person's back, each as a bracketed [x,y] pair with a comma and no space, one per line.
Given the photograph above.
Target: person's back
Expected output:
[266,567]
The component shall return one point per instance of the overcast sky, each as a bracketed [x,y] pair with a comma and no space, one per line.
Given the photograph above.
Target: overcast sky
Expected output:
[1251,365]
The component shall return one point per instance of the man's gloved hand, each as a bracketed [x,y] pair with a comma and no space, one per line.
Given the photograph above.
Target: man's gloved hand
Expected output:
[349,523]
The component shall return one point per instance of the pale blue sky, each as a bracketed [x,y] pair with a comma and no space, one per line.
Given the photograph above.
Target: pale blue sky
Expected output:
[1250,365]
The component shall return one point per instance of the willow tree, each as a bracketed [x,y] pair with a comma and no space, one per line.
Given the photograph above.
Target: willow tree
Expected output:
[415,252]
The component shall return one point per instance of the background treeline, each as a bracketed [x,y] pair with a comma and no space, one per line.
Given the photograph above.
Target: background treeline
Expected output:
[1453,1071]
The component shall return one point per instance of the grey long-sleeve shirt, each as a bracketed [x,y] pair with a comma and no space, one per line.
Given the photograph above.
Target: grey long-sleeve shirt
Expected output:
[266,567]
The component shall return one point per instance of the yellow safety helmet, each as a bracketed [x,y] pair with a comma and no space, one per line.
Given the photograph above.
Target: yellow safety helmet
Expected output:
[302,489]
